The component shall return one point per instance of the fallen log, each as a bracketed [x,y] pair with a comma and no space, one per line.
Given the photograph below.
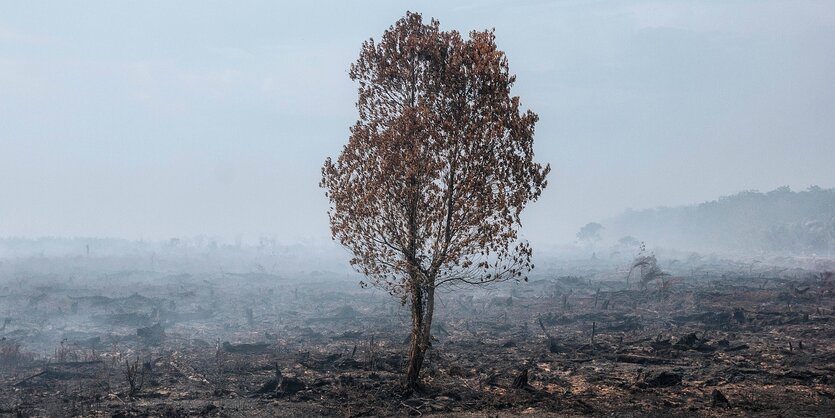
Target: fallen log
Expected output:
[635,359]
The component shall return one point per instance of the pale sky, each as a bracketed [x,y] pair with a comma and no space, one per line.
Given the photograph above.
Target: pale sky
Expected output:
[157,119]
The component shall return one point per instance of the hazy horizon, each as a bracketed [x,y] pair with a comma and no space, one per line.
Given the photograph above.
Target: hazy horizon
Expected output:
[156,120]
[323,242]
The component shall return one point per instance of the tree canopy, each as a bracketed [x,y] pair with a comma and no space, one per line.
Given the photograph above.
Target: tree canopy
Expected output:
[440,163]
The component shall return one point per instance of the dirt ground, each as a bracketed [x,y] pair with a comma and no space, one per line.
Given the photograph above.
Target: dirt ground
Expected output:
[718,340]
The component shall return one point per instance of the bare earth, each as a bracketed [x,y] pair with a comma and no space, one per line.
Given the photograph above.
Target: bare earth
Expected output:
[722,341]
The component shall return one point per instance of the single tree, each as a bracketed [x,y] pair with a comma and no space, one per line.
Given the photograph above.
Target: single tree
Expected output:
[437,170]
[590,232]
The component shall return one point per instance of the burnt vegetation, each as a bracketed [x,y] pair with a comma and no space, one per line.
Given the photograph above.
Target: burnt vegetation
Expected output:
[427,198]
[734,337]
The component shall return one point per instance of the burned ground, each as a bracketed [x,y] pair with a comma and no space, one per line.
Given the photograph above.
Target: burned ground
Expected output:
[717,340]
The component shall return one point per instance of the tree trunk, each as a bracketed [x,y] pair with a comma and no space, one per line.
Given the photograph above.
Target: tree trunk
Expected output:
[428,311]
[416,351]
[423,305]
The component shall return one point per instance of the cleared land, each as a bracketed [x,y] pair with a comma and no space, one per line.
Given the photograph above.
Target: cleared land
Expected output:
[722,339]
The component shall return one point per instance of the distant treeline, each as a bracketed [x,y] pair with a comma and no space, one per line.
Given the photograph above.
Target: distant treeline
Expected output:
[781,220]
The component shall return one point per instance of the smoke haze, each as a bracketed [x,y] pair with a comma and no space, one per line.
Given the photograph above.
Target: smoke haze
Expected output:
[152,120]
